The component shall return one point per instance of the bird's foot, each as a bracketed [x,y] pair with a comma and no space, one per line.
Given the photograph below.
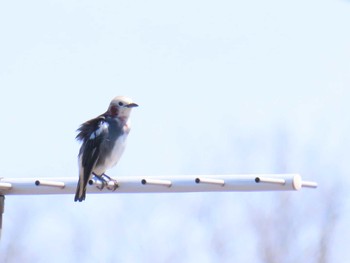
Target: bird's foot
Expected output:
[112,184]
[103,181]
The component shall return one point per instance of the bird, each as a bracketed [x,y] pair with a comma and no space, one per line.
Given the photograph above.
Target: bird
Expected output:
[103,142]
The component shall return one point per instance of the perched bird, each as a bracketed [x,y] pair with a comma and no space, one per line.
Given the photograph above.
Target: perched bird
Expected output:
[103,142]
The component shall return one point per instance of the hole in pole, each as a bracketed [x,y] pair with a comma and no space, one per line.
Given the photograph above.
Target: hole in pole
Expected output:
[91,182]
[257,180]
[37,182]
[197,180]
[143,181]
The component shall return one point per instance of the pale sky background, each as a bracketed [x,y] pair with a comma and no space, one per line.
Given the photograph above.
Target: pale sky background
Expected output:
[223,87]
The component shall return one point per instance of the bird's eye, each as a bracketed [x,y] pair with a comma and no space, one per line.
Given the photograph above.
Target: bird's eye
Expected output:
[120,103]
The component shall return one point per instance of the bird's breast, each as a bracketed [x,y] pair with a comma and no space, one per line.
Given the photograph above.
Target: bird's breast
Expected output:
[117,151]
[111,158]
[112,147]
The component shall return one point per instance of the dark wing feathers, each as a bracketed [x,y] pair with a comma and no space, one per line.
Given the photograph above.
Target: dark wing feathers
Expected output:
[92,133]
[87,128]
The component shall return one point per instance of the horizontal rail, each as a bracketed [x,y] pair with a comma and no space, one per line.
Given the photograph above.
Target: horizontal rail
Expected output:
[155,184]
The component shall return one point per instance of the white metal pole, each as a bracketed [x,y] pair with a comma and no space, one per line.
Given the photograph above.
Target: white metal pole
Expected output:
[154,184]
[158,184]
[2,207]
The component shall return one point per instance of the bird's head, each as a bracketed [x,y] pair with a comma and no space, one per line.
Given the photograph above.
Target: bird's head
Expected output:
[121,107]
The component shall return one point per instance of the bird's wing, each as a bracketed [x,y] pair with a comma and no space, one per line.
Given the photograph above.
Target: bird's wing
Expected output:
[90,127]
[92,133]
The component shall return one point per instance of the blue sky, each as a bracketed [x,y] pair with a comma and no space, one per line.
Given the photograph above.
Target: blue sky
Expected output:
[223,87]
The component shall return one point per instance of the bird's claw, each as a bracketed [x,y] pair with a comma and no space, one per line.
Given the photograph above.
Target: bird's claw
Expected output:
[107,182]
[102,185]
[102,181]
[112,185]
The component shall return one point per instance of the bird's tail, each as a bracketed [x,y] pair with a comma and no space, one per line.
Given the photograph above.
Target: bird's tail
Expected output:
[81,191]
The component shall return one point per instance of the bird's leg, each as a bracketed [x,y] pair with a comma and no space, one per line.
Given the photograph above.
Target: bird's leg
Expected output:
[102,180]
[109,186]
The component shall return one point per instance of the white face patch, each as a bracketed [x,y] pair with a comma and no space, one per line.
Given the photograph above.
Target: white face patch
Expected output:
[102,127]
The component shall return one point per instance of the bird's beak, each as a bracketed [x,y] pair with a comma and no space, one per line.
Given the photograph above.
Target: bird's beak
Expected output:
[131,105]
